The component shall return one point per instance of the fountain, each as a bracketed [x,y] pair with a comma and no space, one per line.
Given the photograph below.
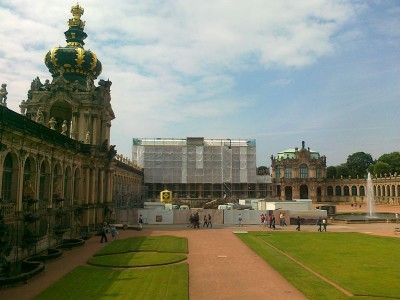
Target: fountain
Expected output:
[369,216]
[370,196]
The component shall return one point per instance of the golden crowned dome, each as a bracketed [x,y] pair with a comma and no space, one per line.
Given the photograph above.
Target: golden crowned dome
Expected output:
[73,62]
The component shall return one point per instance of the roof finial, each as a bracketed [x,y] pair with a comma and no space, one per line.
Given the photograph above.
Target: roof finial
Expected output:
[77,12]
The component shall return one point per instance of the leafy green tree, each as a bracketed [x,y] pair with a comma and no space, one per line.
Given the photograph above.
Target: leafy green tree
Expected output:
[393,160]
[331,172]
[358,164]
[381,168]
[263,170]
[342,170]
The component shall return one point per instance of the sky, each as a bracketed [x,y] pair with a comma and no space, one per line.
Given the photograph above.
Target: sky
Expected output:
[281,72]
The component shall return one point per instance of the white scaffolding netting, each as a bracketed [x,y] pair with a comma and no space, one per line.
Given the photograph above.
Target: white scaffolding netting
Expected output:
[211,161]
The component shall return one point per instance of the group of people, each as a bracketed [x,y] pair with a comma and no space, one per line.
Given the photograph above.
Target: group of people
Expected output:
[106,228]
[207,220]
[195,220]
[271,220]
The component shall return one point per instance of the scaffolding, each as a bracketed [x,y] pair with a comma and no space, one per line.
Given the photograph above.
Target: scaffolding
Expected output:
[197,167]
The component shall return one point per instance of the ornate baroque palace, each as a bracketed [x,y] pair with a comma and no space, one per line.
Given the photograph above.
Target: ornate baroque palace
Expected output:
[59,175]
[301,174]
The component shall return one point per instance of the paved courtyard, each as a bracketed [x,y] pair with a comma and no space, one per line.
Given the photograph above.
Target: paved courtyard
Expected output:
[220,265]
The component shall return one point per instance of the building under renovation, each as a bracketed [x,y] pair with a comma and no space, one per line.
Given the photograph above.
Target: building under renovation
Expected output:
[197,167]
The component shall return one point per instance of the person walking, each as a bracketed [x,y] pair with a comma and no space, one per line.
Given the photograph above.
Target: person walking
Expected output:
[240,220]
[324,223]
[284,220]
[205,221]
[319,224]
[209,220]
[273,222]
[104,233]
[298,223]
[270,221]
[281,219]
[140,222]
[114,233]
[262,220]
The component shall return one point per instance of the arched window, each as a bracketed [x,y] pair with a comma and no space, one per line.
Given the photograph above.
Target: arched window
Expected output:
[318,172]
[362,191]
[277,173]
[288,172]
[303,171]
[354,190]
[393,191]
[346,191]
[388,190]
[42,181]
[27,170]
[7,178]
[379,191]
[338,190]
[330,191]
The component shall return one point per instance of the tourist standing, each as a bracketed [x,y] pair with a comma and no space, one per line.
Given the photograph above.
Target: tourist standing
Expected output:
[240,220]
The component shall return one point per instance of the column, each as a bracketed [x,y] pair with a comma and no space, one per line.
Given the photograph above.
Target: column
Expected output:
[87,185]
[95,134]
[101,187]
[74,130]
[92,185]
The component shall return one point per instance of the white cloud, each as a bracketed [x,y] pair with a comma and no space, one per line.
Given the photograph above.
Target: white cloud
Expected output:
[186,59]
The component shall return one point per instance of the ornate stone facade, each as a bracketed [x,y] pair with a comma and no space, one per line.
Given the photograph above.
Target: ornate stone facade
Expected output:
[298,174]
[301,174]
[58,171]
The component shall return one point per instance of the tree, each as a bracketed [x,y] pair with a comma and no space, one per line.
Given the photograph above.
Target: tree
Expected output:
[381,168]
[263,170]
[342,170]
[358,164]
[331,172]
[393,160]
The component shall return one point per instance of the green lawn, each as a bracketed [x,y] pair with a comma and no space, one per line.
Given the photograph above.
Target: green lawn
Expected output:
[168,282]
[165,282]
[362,264]
[164,243]
[136,259]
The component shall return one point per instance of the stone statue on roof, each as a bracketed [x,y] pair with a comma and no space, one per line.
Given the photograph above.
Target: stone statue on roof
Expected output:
[3,94]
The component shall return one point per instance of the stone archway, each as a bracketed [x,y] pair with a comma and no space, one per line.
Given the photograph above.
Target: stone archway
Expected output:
[61,111]
[304,192]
